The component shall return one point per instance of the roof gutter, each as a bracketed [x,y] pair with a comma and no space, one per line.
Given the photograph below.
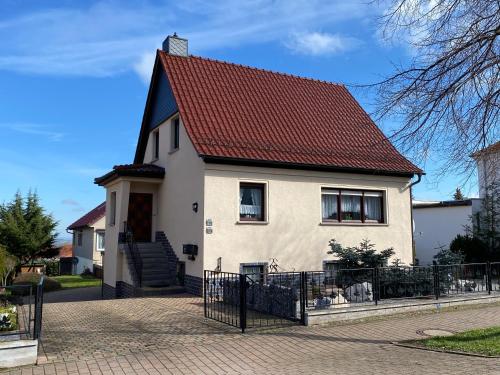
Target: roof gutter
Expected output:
[314,167]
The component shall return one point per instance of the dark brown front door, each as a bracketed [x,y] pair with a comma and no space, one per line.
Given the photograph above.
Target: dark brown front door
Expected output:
[140,216]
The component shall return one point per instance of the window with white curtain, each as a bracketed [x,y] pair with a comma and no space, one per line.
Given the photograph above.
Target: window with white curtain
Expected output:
[348,205]
[100,240]
[373,206]
[329,204]
[252,202]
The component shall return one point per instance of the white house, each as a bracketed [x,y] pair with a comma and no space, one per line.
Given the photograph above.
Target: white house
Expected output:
[488,167]
[88,239]
[437,223]
[236,165]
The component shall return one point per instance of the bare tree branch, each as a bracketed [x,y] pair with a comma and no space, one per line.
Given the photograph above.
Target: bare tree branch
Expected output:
[447,100]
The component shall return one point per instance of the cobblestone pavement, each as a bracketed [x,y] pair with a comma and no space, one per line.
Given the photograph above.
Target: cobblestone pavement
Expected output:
[169,336]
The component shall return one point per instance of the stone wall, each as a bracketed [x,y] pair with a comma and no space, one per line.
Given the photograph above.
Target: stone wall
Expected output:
[109,292]
[273,299]
[193,285]
[124,290]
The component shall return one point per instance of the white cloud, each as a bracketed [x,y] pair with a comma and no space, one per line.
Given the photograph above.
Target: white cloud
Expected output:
[111,37]
[144,67]
[34,129]
[317,44]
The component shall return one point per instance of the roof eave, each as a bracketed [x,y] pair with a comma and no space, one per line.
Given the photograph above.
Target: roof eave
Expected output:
[315,167]
[113,175]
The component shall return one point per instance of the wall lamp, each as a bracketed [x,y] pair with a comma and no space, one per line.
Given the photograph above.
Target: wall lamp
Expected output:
[195,206]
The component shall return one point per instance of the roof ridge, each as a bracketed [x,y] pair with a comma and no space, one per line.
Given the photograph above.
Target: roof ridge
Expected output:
[256,69]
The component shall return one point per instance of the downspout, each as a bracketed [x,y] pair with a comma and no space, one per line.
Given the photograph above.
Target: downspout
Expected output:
[413,247]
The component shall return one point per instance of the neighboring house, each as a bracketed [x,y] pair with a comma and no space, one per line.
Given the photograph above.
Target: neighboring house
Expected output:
[438,223]
[236,165]
[88,239]
[65,251]
[67,264]
[488,167]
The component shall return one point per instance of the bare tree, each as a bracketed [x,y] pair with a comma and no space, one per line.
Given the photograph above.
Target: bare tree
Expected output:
[447,99]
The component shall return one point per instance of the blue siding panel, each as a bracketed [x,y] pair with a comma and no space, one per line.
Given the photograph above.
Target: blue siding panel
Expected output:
[163,103]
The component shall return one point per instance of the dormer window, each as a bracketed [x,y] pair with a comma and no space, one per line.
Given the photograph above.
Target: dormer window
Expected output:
[175,134]
[156,145]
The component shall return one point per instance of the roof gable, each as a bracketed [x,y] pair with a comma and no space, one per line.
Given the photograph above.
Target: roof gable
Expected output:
[160,105]
[90,217]
[240,113]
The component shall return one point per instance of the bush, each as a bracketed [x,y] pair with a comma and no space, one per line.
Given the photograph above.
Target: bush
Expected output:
[31,278]
[363,256]
[51,267]
[87,272]
[473,249]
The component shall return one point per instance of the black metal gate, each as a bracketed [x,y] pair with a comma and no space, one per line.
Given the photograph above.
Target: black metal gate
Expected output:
[256,300]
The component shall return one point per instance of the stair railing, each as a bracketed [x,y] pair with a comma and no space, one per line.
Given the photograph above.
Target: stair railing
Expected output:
[134,253]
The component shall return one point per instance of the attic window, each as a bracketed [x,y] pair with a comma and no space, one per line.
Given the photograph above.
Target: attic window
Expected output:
[175,134]
[156,145]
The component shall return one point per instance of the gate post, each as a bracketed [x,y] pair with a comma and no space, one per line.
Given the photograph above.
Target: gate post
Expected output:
[243,303]
[37,326]
[376,285]
[488,277]
[205,284]
[435,269]
[303,297]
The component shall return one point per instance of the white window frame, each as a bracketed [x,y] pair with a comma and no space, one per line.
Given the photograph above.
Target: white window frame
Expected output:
[255,264]
[97,234]
[265,220]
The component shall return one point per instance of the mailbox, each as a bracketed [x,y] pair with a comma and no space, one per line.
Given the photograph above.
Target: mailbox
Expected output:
[190,249]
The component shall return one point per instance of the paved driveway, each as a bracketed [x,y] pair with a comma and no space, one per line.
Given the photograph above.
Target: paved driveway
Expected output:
[169,336]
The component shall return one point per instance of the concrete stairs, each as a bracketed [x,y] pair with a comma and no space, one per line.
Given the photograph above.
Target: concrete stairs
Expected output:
[158,270]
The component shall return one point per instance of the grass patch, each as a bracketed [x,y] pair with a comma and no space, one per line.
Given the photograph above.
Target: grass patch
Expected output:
[482,341]
[77,281]
[8,318]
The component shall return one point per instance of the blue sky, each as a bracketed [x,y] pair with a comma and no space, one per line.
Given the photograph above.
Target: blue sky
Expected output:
[74,76]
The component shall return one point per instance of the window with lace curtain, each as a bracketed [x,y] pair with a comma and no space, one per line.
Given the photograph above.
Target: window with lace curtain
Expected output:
[351,206]
[252,202]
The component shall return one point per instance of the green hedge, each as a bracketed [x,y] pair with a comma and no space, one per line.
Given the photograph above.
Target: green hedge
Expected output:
[31,278]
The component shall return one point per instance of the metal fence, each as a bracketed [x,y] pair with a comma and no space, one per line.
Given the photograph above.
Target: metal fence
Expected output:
[365,286]
[276,299]
[21,308]
[252,301]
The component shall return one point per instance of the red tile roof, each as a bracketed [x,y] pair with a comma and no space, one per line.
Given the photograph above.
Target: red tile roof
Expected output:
[242,113]
[66,251]
[90,217]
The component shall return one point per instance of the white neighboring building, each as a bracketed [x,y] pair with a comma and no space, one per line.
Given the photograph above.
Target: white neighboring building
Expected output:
[488,167]
[437,223]
[88,239]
